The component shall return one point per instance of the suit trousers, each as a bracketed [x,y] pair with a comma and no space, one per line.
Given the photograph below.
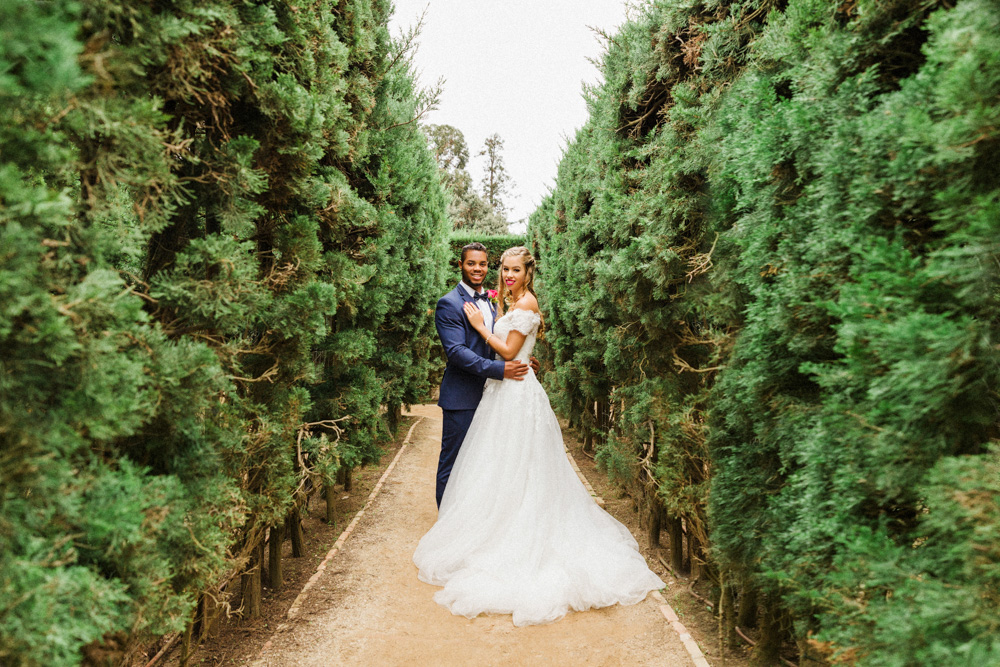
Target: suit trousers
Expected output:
[456,425]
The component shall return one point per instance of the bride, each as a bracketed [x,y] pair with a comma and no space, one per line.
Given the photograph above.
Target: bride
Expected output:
[516,532]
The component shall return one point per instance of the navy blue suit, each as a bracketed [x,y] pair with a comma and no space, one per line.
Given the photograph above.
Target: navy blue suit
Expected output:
[470,362]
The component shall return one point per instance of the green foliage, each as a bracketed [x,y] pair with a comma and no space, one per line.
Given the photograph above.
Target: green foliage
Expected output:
[770,262]
[220,233]
[496,182]
[469,211]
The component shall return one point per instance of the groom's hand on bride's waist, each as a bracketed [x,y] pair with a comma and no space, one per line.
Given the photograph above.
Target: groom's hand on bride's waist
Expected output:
[514,370]
[534,364]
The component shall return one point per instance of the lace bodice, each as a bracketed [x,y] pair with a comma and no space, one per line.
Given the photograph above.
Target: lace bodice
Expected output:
[525,321]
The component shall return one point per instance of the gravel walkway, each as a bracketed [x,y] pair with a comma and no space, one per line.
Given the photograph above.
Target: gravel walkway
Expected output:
[367,606]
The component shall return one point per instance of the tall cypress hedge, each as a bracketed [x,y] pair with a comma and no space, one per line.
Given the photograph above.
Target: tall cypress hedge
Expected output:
[220,231]
[769,268]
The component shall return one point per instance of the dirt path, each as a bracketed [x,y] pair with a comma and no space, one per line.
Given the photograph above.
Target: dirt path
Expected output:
[369,608]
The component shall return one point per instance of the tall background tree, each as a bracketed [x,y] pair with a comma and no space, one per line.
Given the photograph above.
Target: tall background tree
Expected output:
[451,152]
[496,183]
[469,211]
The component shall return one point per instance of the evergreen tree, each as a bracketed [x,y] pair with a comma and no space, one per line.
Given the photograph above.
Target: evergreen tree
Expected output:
[198,253]
[470,213]
[496,183]
[467,209]
[769,271]
[451,152]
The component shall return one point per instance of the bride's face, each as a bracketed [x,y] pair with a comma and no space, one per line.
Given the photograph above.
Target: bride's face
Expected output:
[513,274]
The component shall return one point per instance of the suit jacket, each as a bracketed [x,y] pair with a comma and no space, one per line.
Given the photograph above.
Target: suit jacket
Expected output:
[470,360]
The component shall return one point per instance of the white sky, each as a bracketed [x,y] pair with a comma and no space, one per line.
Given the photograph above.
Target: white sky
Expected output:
[515,67]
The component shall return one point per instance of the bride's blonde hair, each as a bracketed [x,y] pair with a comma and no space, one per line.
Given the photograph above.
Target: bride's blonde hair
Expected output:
[503,296]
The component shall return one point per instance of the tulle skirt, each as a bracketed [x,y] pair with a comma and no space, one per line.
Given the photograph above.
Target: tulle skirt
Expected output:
[517,533]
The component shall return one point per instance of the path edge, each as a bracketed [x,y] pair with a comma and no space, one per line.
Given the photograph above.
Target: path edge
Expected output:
[293,610]
[668,612]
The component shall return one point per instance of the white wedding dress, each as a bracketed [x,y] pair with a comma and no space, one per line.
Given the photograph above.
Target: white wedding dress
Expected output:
[517,533]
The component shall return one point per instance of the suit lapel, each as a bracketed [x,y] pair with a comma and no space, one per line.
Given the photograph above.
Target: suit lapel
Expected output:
[462,294]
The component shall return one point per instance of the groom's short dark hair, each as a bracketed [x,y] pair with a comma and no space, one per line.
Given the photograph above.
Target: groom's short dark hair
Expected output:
[473,246]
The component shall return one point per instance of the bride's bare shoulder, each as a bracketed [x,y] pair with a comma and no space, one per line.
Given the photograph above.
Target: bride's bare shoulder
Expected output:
[527,302]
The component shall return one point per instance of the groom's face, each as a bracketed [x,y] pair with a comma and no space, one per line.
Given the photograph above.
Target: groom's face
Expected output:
[474,268]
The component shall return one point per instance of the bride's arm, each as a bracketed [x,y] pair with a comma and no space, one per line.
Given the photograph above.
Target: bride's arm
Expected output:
[451,324]
[507,350]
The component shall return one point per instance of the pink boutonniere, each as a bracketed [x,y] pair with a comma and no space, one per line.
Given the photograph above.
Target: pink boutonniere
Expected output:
[491,294]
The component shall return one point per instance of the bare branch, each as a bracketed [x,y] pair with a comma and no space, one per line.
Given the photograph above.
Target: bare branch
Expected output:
[427,101]
[409,41]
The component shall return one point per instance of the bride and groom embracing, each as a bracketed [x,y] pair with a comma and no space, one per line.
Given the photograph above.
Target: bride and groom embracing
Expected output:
[516,533]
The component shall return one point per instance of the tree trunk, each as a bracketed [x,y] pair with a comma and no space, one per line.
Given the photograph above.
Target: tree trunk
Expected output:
[342,475]
[727,617]
[655,516]
[348,483]
[676,544]
[186,645]
[198,624]
[694,555]
[330,493]
[274,556]
[210,613]
[167,242]
[574,418]
[747,617]
[213,225]
[394,414]
[265,572]
[293,525]
[250,583]
[602,422]
[769,643]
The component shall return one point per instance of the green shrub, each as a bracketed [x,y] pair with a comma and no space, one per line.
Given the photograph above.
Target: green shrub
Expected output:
[770,273]
[218,228]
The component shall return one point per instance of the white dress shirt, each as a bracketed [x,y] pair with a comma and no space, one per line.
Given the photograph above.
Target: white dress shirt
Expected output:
[483,306]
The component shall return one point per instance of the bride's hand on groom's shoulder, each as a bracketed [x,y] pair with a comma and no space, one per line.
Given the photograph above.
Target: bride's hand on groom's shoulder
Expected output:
[475,316]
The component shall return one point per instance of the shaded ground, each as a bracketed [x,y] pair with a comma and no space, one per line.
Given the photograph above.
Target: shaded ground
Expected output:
[238,640]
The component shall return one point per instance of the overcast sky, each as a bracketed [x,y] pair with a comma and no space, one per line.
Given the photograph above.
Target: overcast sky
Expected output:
[515,67]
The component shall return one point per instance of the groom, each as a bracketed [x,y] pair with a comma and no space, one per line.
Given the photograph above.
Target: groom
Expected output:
[470,360]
